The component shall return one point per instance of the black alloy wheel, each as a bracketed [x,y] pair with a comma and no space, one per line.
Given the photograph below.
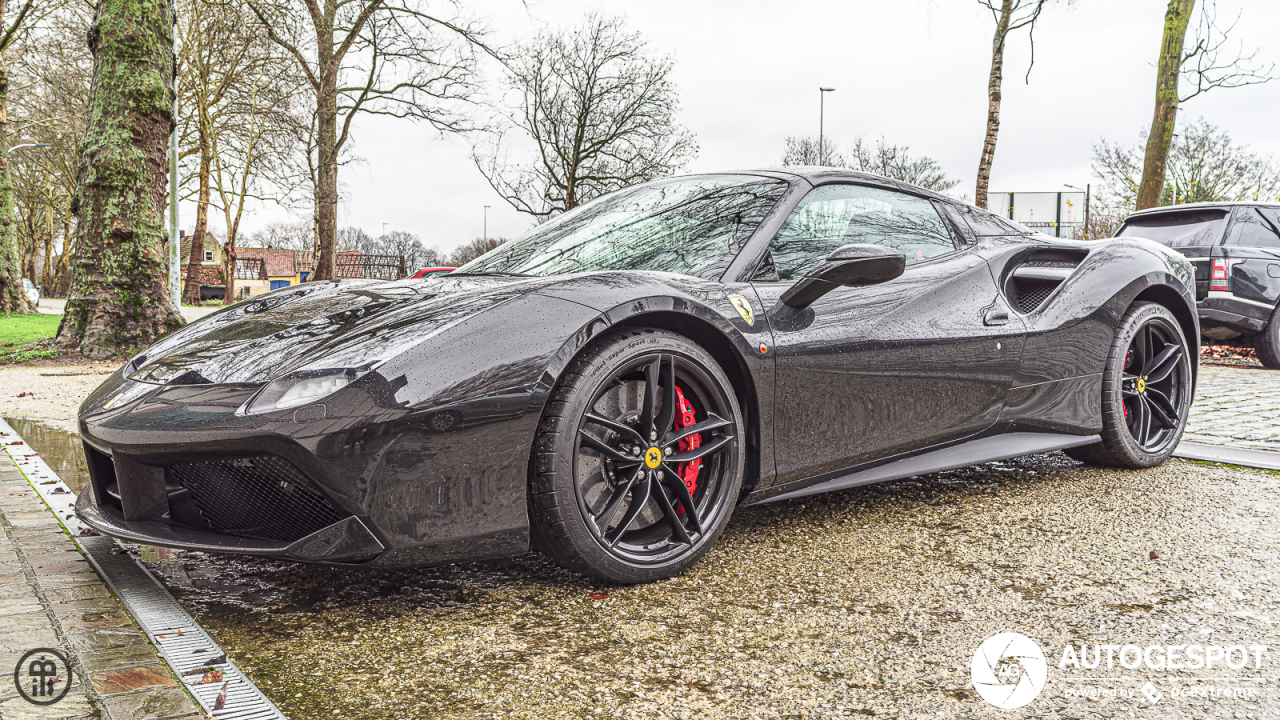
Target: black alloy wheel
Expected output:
[1152,383]
[646,459]
[1146,391]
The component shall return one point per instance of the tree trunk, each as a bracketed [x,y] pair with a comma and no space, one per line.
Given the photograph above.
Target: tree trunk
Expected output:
[12,297]
[196,257]
[993,105]
[229,262]
[118,301]
[1176,19]
[326,187]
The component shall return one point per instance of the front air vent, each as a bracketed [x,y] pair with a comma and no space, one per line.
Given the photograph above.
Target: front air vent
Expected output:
[1037,277]
[264,497]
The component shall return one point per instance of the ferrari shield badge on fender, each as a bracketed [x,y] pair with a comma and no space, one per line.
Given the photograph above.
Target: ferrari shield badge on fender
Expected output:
[743,306]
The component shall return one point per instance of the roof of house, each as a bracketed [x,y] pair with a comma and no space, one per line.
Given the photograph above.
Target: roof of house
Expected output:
[280,263]
[210,243]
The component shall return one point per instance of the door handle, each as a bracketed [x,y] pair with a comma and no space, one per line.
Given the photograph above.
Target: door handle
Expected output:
[996,316]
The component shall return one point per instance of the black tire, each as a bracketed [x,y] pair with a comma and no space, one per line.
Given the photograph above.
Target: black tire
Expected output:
[1267,343]
[1146,391]
[602,509]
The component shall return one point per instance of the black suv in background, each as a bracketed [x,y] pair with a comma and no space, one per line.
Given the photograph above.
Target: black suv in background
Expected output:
[1235,248]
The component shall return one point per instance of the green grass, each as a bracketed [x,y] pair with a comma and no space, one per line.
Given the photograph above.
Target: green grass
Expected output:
[25,337]
[22,329]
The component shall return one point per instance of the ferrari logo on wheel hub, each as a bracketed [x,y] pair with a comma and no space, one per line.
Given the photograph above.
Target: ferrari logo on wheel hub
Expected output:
[1142,385]
[653,457]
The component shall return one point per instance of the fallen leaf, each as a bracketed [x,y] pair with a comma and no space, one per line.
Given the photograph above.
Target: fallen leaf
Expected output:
[211,677]
[1155,555]
[599,596]
[221,702]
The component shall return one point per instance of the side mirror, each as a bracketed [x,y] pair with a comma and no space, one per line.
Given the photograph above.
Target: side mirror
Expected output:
[848,266]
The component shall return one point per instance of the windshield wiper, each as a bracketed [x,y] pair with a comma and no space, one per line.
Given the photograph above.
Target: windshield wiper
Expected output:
[489,273]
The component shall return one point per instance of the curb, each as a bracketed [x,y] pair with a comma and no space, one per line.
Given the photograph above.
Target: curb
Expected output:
[1260,459]
[182,643]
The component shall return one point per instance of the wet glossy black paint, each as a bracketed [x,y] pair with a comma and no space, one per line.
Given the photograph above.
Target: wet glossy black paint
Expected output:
[1247,240]
[429,449]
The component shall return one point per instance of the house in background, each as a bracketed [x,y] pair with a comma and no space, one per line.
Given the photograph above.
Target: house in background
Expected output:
[212,285]
[260,270]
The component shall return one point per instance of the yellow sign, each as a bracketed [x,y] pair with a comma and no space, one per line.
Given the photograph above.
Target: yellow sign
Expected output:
[653,457]
[743,306]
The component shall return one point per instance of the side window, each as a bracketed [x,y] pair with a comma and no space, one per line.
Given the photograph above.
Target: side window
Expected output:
[835,215]
[1250,228]
[985,224]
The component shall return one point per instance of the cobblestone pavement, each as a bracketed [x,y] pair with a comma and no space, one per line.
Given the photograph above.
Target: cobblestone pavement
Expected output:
[1236,407]
[50,597]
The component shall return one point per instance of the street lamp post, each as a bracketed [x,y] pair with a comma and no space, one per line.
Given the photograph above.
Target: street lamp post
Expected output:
[822,112]
[486,223]
[1087,188]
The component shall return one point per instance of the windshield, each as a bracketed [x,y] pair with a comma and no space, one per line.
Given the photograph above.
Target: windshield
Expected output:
[692,226]
[1177,229]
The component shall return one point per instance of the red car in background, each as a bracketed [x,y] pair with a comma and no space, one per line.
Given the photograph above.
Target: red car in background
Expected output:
[427,272]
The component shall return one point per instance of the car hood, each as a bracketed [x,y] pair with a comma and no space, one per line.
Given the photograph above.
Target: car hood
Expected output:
[320,325]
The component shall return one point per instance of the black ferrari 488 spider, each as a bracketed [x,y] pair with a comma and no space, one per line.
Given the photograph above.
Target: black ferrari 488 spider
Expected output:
[610,386]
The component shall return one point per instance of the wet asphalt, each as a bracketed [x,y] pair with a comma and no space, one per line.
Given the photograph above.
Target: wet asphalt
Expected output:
[868,602]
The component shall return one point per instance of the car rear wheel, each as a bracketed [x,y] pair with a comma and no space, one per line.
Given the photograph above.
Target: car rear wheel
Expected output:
[638,459]
[1146,391]
[1267,342]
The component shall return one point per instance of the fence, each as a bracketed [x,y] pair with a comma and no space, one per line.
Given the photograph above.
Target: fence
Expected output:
[251,269]
[1060,214]
[381,267]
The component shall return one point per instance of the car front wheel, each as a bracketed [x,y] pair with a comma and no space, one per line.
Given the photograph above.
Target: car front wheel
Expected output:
[1146,391]
[638,459]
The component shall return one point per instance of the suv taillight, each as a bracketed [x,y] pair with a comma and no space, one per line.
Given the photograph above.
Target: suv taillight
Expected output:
[1218,280]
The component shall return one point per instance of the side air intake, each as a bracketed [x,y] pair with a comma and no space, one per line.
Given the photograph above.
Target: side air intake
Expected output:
[1034,280]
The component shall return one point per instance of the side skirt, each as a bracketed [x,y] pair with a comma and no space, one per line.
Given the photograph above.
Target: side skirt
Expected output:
[981,450]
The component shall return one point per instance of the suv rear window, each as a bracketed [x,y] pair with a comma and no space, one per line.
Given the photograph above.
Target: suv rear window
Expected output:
[1178,229]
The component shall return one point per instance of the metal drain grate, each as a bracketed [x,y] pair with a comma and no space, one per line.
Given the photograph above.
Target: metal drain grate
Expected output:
[182,643]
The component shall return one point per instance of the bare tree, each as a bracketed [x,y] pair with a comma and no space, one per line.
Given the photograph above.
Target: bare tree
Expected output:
[54,72]
[1207,64]
[593,113]
[1010,15]
[805,151]
[284,236]
[472,250]
[881,158]
[385,57]
[118,300]
[1205,165]
[12,297]
[896,162]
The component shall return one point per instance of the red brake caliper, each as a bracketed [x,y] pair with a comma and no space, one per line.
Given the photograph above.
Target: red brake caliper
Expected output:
[688,470]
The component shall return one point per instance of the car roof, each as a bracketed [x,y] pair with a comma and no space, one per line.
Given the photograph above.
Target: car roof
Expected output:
[817,175]
[1186,207]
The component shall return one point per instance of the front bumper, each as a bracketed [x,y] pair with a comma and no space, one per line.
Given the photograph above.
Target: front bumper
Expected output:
[346,541]
[357,479]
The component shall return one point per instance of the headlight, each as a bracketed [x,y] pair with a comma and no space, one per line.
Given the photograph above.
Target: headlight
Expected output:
[299,388]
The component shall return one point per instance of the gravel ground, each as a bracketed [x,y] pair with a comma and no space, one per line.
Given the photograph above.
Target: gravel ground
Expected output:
[867,602]
[50,392]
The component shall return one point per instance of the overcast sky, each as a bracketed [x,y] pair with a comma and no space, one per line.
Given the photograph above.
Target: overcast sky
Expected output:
[912,71]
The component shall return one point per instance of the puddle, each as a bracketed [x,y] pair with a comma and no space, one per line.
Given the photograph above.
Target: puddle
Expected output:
[62,450]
